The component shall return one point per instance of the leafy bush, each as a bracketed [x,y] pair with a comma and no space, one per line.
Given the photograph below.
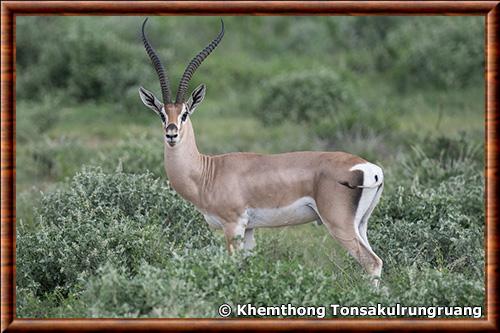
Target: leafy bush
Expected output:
[365,40]
[450,150]
[50,159]
[450,218]
[363,123]
[368,31]
[133,155]
[170,291]
[186,288]
[56,304]
[436,160]
[325,101]
[439,199]
[36,118]
[303,97]
[421,286]
[83,58]
[152,292]
[97,218]
[445,53]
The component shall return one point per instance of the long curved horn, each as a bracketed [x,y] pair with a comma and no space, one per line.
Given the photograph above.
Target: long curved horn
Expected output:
[194,64]
[160,70]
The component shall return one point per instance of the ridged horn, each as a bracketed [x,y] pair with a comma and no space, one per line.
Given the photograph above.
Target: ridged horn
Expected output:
[160,70]
[194,64]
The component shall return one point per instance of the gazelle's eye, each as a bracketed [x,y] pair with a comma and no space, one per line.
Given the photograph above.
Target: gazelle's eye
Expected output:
[184,117]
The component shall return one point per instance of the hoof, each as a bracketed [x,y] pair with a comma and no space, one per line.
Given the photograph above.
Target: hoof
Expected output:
[375,282]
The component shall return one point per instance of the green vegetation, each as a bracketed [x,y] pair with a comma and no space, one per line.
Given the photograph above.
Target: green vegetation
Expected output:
[100,233]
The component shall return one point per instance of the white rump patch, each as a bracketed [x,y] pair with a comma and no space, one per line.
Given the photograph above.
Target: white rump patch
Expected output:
[372,174]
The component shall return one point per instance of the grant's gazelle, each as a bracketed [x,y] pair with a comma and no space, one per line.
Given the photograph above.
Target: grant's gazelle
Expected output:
[238,192]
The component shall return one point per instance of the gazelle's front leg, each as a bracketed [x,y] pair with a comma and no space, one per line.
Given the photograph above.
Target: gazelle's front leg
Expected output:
[235,234]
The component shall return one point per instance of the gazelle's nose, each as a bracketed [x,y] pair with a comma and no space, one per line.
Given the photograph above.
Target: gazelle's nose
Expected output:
[172,131]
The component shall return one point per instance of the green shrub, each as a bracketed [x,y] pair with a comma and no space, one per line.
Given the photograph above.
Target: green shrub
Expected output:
[437,159]
[362,123]
[84,58]
[423,286]
[195,282]
[133,155]
[56,304]
[324,101]
[365,41]
[26,202]
[51,159]
[304,97]
[36,118]
[432,211]
[445,52]
[121,218]
[450,150]
[152,292]
[440,226]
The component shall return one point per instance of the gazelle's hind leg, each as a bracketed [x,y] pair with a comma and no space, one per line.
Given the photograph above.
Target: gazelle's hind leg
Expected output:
[339,208]
[363,225]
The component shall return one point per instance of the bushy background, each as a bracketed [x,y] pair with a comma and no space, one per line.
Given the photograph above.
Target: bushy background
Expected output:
[100,233]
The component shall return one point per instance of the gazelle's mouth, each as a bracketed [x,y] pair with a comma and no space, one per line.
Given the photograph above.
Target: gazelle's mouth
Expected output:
[171,143]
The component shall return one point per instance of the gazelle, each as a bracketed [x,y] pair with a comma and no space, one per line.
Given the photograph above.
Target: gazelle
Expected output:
[238,192]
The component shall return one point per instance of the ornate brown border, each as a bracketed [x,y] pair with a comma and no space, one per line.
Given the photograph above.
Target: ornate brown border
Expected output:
[10,9]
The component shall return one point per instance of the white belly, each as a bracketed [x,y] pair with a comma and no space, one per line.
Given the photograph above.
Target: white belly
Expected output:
[299,212]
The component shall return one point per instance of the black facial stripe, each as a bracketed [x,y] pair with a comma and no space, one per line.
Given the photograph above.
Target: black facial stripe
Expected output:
[162,116]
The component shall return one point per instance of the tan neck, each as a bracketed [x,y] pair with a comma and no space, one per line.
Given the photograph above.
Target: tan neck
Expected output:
[184,164]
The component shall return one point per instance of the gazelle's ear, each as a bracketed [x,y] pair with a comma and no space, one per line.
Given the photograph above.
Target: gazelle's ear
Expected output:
[196,97]
[152,102]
